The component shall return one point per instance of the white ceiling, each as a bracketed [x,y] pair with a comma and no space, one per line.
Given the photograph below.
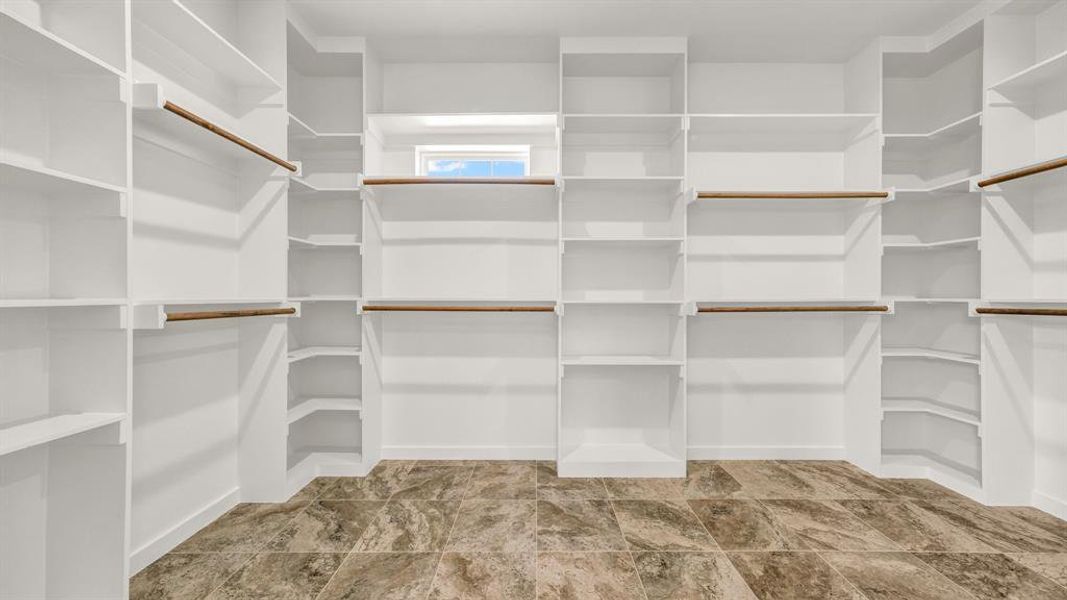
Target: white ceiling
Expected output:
[750,30]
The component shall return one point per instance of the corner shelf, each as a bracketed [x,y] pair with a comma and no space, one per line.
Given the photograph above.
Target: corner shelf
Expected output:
[308,406]
[47,52]
[178,25]
[622,361]
[311,244]
[42,431]
[925,405]
[1050,70]
[299,354]
[953,243]
[930,353]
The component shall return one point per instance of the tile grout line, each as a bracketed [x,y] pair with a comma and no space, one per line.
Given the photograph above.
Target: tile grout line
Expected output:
[841,575]
[451,529]
[946,577]
[629,549]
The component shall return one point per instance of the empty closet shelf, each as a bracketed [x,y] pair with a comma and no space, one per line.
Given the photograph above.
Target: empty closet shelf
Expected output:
[621,360]
[52,182]
[308,406]
[299,354]
[1051,71]
[151,103]
[621,460]
[168,28]
[795,195]
[925,405]
[457,308]
[299,129]
[956,130]
[930,353]
[961,185]
[733,131]
[44,51]
[42,431]
[325,298]
[942,244]
[915,300]
[313,461]
[300,185]
[1025,171]
[59,302]
[313,243]
[624,239]
[544,181]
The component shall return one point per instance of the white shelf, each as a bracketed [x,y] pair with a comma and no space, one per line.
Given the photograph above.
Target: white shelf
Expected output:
[956,186]
[957,129]
[303,131]
[623,178]
[181,29]
[307,406]
[925,405]
[42,431]
[1050,70]
[325,298]
[299,354]
[204,301]
[623,301]
[622,123]
[621,460]
[836,130]
[624,239]
[317,463]
[303,187]
[37,178]
[930,300]
[59,302]
[306,243]
[954,243]
[47,52]
[930,353]
[632,360]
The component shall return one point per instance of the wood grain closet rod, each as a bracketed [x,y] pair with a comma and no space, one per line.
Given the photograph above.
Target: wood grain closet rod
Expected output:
[459,180]
[219,131]
[1036,312]
[777,309]
[229,314]
[790,195]
[1025,171]
[428,308]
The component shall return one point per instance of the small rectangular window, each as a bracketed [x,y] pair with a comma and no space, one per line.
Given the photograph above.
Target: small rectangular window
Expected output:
[472,161]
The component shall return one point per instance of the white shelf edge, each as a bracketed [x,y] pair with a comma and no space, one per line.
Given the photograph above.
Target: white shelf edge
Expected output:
[1034,68]
[60,302]
[311,405]
[49,429]
[323,134]
[299,354]
[936,132]
[325,298]
[309,244]
[966,241]
[930,353]
[923,405]
[204,301]
[62,176]
[626,361]
[66,46]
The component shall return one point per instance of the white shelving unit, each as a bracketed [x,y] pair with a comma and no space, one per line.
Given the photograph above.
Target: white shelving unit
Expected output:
[327,427]
[931,369]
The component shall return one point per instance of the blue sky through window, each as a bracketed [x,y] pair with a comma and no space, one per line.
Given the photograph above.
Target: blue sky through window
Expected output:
[475,168]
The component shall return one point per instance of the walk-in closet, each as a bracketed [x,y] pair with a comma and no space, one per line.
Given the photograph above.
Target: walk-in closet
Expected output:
[533,300]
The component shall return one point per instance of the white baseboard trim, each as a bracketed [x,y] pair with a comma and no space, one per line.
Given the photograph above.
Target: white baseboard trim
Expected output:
[153,550]
[1054,506]
[469,452]
[766,453]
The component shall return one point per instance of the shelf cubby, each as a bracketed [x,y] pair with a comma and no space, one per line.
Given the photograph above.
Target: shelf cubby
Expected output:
[623,271]
[938,271]
[325,91]
[931,219]
[622,334]
[934,446]
[622,422]
[609,208]
[953,390]
[783,249]
[324,271]
[95,30]
[937,326]
[623,145]
[623,83]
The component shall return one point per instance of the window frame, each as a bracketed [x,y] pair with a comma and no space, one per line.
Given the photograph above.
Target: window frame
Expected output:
[465,152]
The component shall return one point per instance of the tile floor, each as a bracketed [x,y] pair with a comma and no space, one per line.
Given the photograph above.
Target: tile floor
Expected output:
[514,531]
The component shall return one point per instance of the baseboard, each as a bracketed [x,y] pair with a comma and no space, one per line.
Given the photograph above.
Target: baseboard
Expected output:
[469,452]
[1056,507]
[766,453]
[152,551]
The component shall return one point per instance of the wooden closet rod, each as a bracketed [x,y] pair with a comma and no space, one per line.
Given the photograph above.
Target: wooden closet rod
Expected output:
[219,131]
[229,314]
[429,308]
[790,195]
[1048,165]
[804,308]
[1037,312]
[459,180]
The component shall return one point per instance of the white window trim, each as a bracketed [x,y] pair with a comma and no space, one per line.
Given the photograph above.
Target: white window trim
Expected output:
[425,153]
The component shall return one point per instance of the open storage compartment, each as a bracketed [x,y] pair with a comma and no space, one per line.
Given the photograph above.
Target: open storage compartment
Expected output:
[623,146]
[637,209]
[623,334]
[622,271]
[623,83]
[932,446]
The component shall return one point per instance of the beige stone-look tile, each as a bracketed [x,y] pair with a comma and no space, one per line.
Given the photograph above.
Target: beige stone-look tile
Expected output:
[435,482]
[707,479]
[496,481]
[552,487]
[383,480]
[994,577]
[744,525]
[280,576]
[485,576]
[382,576]
[764,479]
[313,490]
[587,576]
[245,528]
[577,526]
[662,525]
[923,489]
[409,526]
[494,526]
[893,576]
[837,479]
[792,576]
[1036,518]
[999,530]
[913,527]
[825,525]
[690,576]
[1052,566]
[326,526]
[644,489]
[185,576]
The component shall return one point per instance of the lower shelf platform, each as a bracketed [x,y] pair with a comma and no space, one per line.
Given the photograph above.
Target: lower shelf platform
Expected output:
[313,463]
[621,460]
[307,406]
